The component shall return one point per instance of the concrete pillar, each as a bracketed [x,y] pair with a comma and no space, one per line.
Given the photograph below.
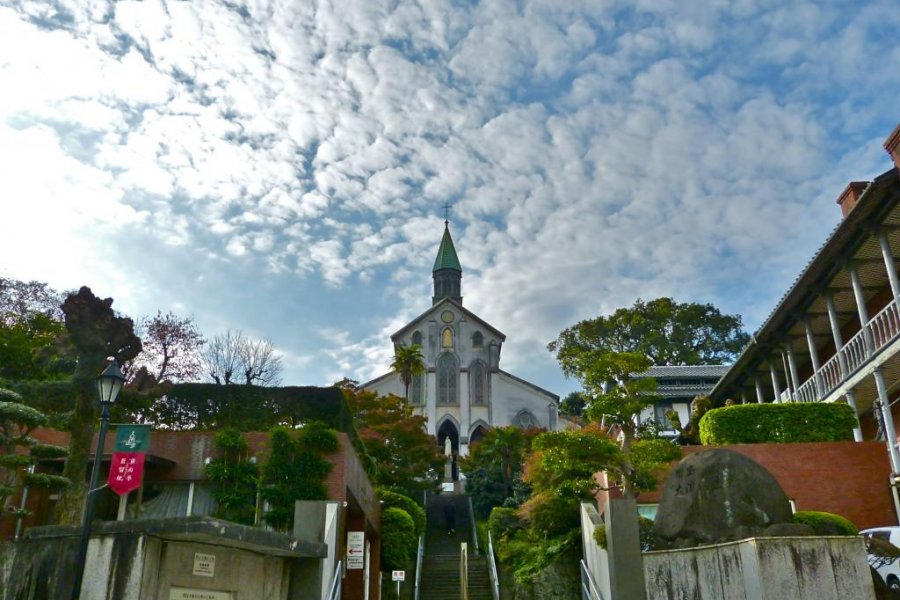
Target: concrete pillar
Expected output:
[759,393]
[776,386]
[836,333]
[889,431]
[861,309]
[851,402]
[792,364]
[889,265]
[743,397]
[623,543]
[814,357]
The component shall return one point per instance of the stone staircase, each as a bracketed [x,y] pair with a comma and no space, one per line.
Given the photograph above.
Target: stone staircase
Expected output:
[440,568]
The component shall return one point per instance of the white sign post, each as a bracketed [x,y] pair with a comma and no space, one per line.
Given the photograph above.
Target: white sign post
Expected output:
[356,549]
[398,576]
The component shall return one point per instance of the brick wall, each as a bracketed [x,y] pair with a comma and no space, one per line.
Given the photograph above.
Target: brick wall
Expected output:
[846,478]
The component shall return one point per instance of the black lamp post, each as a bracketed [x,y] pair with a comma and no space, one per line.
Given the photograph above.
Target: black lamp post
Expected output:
[109,384]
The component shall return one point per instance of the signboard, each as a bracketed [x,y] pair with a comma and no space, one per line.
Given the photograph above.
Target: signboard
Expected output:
[356,549]
[126,470]
[204,564]
[398,575]
[192,594]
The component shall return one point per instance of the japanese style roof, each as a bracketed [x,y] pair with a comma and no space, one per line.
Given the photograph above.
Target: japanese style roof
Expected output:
[446,256]
[685,371]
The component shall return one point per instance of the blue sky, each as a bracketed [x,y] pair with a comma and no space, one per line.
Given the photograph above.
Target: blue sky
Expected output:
[280,167]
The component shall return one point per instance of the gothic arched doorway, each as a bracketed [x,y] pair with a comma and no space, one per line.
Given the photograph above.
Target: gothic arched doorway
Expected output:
[448,431]
[477,435]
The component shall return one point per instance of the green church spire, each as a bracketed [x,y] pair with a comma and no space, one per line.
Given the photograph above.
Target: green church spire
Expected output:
[446,256]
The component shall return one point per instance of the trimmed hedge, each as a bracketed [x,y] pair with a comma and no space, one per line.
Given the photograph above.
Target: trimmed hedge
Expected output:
[825,523]
[398,539]
[780,423]
[391,499]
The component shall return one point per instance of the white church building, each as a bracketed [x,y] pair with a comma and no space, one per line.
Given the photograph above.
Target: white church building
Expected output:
[463,392]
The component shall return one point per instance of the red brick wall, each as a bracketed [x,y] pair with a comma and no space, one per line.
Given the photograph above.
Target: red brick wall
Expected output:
[846,478]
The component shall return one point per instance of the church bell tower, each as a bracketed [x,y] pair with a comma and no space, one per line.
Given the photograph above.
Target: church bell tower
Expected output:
[447,273]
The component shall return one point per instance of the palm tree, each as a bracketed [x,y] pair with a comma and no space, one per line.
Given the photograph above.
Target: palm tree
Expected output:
[408,363]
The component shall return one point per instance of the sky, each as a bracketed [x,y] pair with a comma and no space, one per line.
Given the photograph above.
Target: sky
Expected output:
[281,167]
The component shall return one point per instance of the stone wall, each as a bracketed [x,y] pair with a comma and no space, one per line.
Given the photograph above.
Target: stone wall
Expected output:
[820,568]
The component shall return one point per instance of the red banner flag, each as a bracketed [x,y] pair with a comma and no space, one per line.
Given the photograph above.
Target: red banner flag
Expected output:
[126,472]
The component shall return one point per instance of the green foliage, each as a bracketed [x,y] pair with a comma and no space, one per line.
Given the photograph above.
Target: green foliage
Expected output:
[825,523]
[573,404]
[504,522]
[408,363]
[235,479]
[494,469]
[550,516]
[46,481]
[391,499]
[406,459]
[563,463]
[295,470]
[646,529]
[528,556]
[398,539]
[664,331]
[689,435]
[778,423]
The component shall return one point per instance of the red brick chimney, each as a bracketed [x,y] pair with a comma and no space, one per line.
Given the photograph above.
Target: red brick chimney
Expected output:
[892,145]
[850,196]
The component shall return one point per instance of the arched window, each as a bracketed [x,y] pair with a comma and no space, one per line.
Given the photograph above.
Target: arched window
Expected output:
[477,340]
[478,382]
[447,375]
[417,390]
[525,420]
[447,338]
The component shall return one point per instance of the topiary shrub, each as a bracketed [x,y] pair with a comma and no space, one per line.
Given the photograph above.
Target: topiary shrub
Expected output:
[779,423]
[391,499]
[825,523]
[398,539]
[504,521]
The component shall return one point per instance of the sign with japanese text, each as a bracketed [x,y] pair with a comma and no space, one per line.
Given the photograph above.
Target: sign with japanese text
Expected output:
[356,549]
[398,575]
[125,472]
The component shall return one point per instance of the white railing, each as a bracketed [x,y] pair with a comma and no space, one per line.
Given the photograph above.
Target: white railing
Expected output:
[589,589]
[463,572]
[335,592]
[474,528]
[492,569]
[883,329]
[419,556]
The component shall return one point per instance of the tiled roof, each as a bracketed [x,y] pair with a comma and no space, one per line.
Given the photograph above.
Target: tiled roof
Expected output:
[685,371]
[446,256]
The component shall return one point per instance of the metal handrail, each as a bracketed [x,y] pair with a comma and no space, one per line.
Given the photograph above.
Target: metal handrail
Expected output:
[589,589]
[492,571]
[419,558]
[463,572]
[335,592]
[474,529]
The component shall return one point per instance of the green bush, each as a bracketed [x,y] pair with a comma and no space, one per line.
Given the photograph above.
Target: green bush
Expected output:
[780,423]
[398,539]
[502,521]
[825,523]
[391,499]
[646,529]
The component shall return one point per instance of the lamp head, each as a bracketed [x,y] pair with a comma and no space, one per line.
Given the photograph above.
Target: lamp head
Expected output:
[110,383]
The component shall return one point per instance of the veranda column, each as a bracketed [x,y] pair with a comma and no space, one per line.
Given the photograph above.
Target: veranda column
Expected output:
[776,387]
[851,402]
[792,365]
[814,357]
[861,307]
[759,394]
[836,333]
[885,407]
[889,265]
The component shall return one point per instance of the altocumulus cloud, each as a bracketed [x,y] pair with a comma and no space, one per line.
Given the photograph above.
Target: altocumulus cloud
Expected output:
[280,166]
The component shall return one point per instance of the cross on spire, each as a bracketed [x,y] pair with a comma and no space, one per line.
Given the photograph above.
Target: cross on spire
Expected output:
[446,213]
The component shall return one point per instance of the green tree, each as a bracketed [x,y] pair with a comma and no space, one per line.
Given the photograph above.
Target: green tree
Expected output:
[98,334]
[493,468]
[665,331]
[19,452]
[235,479]
[573,404]
[407,459]
[408,363]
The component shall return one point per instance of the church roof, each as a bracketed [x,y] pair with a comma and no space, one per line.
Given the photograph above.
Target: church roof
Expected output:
[434,309]
[446,256]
